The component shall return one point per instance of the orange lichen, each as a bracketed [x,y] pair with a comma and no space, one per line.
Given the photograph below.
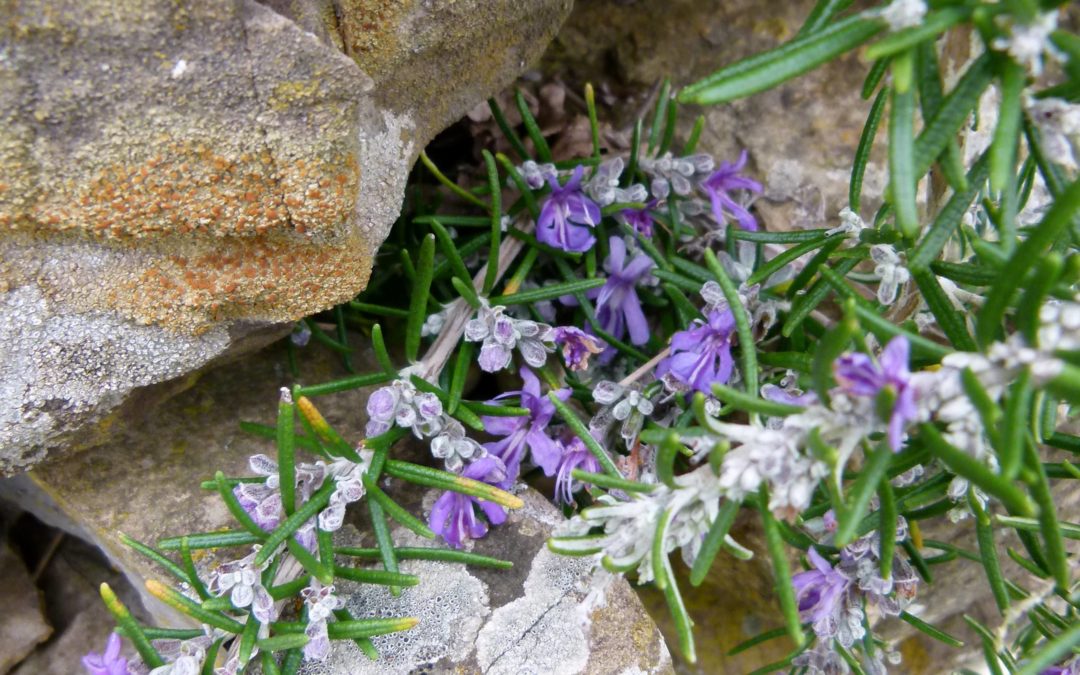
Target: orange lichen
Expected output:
[195,191]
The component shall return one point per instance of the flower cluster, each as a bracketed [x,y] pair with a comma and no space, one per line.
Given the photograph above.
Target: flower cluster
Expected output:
[501,334]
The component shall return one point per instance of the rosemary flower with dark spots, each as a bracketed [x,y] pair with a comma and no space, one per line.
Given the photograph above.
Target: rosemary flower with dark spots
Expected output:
[577,346]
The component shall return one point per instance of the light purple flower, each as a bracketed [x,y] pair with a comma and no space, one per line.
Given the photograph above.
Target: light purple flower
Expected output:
[536,174]
[454,447]
[242,580]
[108,662]
[1071,667]
[639,219]
[628,405]
[575,456]
[859,375]
[577,346]
[821,593]
[400,403]
[301,334]
[788,395]
[262,501]
[500,334]
[618,308]
[568,216]
[453,516]
[525,432]
[321,603]
[701,355]
[720,183]
[348,488]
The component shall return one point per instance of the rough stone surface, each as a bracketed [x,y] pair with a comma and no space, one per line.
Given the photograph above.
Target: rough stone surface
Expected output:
[549,614]
[73,607]
[22,624]
[179,178]
[536,615]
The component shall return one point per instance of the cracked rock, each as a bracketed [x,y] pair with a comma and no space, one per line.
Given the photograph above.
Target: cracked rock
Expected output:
[22,622]
[179,179]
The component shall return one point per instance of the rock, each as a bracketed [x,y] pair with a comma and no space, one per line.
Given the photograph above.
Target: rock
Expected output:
[22,624]
[548,614]
[548,611]
[179,179]
[73,604]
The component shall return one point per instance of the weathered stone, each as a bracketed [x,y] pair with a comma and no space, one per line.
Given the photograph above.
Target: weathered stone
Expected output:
[80,622]
[548,614]
[179,178]
[22,624]
[146,484]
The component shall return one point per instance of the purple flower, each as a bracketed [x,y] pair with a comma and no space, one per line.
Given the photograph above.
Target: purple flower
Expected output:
[859,375]
[577,346]
[701,355]
[788,396]
[108,663]
[453,516]
[639,219]
[525,432]
[568,216]
[500,334]
[820,593]
[720,183]
[321,603]
[575,456]
[1071,667]
[618,308]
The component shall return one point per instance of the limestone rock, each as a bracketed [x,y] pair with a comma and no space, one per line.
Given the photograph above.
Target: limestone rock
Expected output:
[548,612]
[73,605]
[22,624]
[177,179]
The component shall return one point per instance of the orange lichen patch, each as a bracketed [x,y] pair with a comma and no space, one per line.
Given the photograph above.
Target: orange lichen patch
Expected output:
[258,279]
[192,190]
[370,29]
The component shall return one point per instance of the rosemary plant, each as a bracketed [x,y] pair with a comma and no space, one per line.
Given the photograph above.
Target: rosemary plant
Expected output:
[679,363]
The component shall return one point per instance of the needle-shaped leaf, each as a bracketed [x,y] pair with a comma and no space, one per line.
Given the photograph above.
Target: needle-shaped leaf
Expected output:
[714,541]
[785,590]
[929,28]
[1026,256]
[419,299]
[581,431]
[821,14]
[903,177]
[766,70]
[131,628]
[422,475]
[862,152]
[532,128]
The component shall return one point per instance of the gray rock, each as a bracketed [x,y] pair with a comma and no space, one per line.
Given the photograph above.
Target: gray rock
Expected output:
[547,613]
[179,179]
[22,623]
